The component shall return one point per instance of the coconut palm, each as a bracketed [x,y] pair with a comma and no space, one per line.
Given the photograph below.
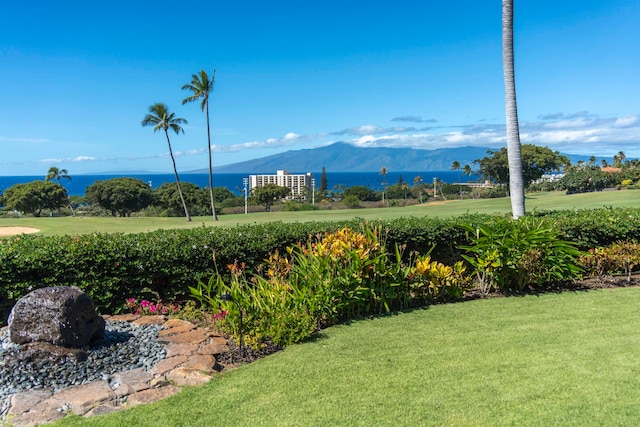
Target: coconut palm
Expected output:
[619,159]
[58,174]
[383,173]
[466,170]
[455,166]
[201,86]
[417,182]
[161,119]
[514,155]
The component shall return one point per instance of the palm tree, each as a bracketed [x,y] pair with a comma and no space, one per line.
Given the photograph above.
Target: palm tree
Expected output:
[456,166]
[161,119]
[58,174]
[466,170]
[619,159]
[383,173]
[201,85]
[514,155]
[417,182]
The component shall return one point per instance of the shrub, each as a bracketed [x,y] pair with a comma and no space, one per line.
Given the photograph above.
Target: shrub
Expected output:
[290,205]
[333,277]
[112,267]
[351,202]
[620,257]
[434,281]
[520,254]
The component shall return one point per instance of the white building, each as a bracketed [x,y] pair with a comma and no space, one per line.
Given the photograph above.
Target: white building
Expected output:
[296,183]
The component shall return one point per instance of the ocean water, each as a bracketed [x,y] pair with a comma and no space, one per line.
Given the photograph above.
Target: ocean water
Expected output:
[234,181]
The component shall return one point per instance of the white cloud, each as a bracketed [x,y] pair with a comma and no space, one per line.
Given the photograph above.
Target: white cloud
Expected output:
[572,123]
[577,133]
[626,121]
[289,138]
[83,159]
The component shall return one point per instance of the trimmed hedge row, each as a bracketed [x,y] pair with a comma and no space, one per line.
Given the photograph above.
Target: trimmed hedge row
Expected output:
[114,267]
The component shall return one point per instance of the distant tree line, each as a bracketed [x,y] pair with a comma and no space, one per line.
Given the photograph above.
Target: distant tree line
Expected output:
[125,196]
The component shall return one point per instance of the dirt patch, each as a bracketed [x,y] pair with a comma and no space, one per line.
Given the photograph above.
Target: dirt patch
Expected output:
[12,231]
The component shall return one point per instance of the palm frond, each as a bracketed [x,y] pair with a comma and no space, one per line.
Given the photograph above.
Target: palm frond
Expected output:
[160,117]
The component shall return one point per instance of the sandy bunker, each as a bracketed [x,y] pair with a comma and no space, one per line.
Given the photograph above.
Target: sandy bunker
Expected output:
[11,231]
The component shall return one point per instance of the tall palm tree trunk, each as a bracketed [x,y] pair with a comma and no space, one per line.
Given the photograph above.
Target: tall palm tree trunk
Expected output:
[213,205]
[514,155]
[175,170]
[73,213]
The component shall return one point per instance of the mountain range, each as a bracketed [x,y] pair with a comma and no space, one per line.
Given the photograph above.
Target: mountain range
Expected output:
[344,157]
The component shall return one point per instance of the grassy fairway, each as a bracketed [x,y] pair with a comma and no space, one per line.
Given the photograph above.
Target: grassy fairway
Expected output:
[557,359]
[539,201]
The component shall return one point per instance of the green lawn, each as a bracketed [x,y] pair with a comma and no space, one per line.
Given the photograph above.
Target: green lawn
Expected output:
[539,201]
[555,359]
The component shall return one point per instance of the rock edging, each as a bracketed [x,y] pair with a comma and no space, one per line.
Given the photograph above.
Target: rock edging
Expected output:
[190,360]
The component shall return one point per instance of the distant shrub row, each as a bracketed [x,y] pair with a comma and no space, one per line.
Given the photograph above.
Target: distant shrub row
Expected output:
[114,267]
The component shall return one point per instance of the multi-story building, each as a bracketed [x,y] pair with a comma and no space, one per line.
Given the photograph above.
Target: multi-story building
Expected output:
[297,183]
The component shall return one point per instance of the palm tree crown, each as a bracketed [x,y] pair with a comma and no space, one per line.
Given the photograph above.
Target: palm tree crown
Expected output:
[201,86]
[58,175]
[161,119]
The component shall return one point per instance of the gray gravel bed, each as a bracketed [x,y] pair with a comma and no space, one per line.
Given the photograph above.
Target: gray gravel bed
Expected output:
[124,346]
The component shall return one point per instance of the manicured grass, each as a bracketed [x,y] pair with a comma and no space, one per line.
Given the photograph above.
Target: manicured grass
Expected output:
[535,201]
[554,359]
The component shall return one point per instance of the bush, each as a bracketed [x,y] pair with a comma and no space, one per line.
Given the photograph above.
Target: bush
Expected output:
[333,277]
[114,267]
[620,257]
[292,206]
[519,254]
[351,202]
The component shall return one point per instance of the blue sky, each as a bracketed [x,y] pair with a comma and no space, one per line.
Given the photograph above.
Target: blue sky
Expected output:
[77,78]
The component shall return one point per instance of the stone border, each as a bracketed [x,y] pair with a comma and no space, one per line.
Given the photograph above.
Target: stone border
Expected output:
[190,360]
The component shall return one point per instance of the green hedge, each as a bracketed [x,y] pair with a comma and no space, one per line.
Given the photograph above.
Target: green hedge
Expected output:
[114,267]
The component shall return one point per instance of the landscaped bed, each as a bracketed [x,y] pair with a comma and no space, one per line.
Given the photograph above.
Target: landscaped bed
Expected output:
[565,358]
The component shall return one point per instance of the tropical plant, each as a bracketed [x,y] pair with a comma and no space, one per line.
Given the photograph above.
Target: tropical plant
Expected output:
[521,254]
[434,281]
[621,256]
[201,86]
[466,170]
[417,185]
[383,173]
[57,174]
[455,166]
[516,180]
[161,119]
[618,159]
